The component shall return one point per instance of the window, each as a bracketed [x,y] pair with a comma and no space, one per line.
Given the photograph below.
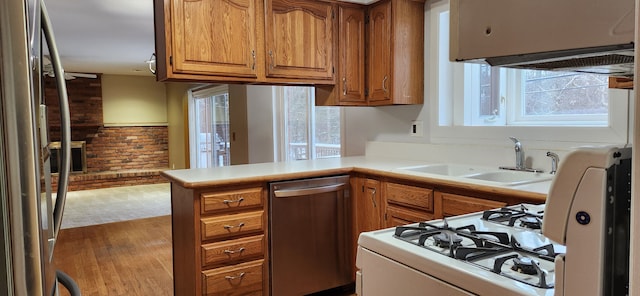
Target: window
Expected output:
[306,131]
[548,98]
[209,127]
[477,101]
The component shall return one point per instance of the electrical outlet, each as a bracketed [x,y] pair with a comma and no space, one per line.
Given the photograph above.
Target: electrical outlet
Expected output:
[416,128]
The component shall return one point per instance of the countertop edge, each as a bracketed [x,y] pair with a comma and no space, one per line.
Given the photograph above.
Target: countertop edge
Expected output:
[350,168]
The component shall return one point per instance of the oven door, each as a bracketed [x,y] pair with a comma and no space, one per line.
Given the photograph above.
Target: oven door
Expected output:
[382,276]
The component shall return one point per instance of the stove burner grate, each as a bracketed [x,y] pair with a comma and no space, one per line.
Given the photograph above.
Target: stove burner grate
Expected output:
[509,217]
[467,244]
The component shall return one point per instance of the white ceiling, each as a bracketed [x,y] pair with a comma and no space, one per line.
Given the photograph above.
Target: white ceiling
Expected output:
[106,36]
[98,36]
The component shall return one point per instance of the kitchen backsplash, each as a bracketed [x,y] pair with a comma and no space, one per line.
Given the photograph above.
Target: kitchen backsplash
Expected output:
[484,155]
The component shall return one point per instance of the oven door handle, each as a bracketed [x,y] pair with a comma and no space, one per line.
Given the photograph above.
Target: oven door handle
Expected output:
[283,193]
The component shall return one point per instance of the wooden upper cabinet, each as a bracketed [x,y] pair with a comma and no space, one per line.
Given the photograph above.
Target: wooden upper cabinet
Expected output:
[299,39]
[349,89]
[351,55]
[396,52]
[380,54]
[245,41]
[214,37]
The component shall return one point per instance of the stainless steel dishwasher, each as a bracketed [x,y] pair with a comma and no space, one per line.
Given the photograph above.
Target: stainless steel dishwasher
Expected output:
[310,233]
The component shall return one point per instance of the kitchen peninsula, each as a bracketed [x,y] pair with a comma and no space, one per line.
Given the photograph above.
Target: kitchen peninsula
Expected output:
[220,221]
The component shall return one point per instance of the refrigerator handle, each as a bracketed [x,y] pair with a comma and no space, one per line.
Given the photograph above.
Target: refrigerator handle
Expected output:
[65,123]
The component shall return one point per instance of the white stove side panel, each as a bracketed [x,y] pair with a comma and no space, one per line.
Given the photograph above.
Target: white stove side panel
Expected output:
[584,261]
[382,277]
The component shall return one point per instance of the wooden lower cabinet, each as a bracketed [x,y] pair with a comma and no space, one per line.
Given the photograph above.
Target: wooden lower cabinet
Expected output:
[220,240]
[405,204]
[241,279]
[368,202]
[448,204]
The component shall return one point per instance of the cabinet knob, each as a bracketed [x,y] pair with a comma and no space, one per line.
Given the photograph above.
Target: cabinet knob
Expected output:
[373,197]
[231,278]
[344,86]
[271,56]
[384,83]
[229,227]
[253,55]
[150,62]
[229,201]
[231,252]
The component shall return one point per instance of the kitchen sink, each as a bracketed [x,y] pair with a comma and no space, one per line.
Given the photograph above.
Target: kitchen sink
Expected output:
[510,178]
[446,169]
[487,174]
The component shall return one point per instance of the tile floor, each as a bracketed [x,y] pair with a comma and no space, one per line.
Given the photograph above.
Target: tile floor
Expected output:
[99,206]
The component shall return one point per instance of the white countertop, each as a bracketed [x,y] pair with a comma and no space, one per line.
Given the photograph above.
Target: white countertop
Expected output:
[309,168]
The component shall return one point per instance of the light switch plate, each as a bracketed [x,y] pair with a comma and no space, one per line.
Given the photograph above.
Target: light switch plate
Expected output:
[416,128]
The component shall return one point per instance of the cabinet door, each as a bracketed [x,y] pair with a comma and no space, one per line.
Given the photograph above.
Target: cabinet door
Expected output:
[368,206]
[299,39]
[351,51]
[379,60]
[214,37]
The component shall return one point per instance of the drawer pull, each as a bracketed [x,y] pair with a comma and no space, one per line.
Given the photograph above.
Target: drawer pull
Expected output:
[233,252]
[231,278]
[229,227]
[228,201]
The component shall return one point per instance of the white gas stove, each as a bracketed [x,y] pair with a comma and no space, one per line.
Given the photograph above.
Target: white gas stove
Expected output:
[583,248]
[498,252]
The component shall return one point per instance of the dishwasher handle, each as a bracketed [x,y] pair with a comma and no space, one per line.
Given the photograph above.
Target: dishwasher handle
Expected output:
[284,193]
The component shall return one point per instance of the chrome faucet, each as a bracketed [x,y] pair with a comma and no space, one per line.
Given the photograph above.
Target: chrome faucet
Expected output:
[554,161]
[520,166]
[519,154]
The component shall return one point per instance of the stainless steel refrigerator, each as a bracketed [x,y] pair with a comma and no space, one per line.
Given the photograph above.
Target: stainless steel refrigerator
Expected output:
[30,216]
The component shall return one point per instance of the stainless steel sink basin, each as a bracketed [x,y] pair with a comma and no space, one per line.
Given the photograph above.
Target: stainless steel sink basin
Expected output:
[511,178]
[446,169]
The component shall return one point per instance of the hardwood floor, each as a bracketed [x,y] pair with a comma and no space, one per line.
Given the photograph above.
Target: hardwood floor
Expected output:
[123,258]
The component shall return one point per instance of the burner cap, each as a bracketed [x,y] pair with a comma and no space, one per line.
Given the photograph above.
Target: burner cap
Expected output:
[524,265]
[445,240]
[530,222]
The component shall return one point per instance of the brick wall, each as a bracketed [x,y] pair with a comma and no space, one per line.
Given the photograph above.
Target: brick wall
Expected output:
[85,107]
[116,156]
[128,148]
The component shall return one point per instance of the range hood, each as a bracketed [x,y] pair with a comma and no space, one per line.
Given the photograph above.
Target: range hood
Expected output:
[591,36]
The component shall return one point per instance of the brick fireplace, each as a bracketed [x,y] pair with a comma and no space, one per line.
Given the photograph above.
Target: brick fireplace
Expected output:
[114,156]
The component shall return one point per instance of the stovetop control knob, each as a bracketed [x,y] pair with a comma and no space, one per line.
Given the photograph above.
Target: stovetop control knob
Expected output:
[583,217]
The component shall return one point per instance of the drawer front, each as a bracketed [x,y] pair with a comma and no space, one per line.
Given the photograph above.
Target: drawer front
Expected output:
[233,250]
[454,205]
[240,279]
[397,216]
[215,201]
[229,225]
[410,195]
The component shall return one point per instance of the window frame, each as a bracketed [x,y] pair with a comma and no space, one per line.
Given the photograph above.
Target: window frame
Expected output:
[201,92]
[280,113]
[451,129]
